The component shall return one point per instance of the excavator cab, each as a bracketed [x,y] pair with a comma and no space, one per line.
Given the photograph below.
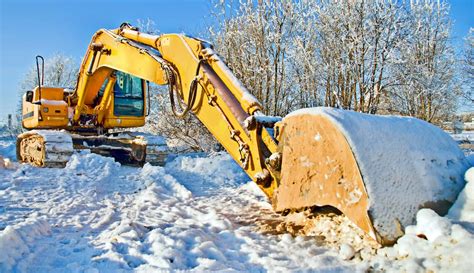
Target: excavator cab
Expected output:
[120,102]
[129,95]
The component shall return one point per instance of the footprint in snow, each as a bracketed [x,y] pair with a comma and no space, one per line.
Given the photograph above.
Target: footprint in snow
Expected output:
[64,252]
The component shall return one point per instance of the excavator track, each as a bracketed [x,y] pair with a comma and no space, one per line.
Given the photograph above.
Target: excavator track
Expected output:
[52,149]
[44,148]
[156,150]
[126,148]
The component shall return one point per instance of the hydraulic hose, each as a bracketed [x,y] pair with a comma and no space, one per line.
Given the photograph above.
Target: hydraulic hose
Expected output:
[172,88]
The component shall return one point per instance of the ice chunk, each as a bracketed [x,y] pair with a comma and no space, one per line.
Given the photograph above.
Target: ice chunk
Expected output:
[346,252]
[431,224]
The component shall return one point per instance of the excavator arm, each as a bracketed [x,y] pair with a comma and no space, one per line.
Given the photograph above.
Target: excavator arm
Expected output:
[198,79]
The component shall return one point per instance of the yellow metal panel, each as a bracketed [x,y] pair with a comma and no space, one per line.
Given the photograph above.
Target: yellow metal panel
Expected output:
[124,122]
[96,80]
[116,54]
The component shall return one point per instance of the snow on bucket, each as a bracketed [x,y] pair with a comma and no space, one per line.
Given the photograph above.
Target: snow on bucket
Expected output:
[377,170]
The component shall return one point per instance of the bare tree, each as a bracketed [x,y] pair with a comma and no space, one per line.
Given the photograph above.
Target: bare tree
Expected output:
[185,134]
[59,71]
[311,53]
[373,56]
[425,64]
[255,41]
[355,44]
[467,66]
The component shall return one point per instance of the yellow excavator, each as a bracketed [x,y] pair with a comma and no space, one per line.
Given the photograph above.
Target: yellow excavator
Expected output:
[377,170]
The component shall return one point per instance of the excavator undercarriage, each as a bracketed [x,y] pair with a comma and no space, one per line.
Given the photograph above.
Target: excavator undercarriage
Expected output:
[47,148]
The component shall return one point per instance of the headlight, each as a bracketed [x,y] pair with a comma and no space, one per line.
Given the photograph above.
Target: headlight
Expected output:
[45,109]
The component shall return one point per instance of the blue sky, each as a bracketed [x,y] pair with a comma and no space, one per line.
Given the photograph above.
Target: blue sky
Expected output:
[29,28]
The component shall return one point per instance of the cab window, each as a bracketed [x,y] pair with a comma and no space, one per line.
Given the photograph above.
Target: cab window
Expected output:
[128,95]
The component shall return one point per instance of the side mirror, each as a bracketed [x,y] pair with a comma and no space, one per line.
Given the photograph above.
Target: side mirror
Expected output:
[29,96]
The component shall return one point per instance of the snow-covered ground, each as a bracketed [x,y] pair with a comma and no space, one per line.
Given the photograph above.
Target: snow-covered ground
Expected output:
[201,213]
[466,142]
[464,136]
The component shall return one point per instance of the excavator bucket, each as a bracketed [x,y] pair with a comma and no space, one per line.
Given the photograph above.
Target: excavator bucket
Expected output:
[377,170]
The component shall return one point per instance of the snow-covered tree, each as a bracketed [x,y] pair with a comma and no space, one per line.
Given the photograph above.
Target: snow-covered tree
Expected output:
[59,71]
[467,64]
[373,56]
[254,39]
[355,44]
[186,134]
[425,64]
[294,54]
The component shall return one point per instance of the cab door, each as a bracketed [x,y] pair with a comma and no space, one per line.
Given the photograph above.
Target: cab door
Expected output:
[128,96]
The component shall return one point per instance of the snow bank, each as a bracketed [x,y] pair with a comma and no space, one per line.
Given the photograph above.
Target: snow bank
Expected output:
[463,208]
[166,184]
[15,241]
[202,174]
[434,244]
[198,213]
[465,136]
[86,161]
[405,162]
[8,148]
